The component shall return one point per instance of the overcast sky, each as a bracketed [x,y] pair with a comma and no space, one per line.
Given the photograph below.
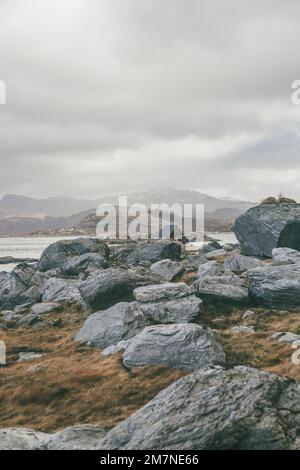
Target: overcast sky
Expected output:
[119,95]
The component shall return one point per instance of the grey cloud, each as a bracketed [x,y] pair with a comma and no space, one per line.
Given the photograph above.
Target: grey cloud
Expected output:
[99,93]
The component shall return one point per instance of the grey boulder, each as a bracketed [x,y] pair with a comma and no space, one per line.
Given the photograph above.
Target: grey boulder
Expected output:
[87,262]
[210,268]
[276,287]
[19,438]
[185,310]
[240,408]
[23,285]
[64,292]
[161,303]
[182,346]
[191,262]
[210,246]
[285,256]
[167,269]
[107,328]
[80,437]
[239,264]
[225,288]
[158,292]
[147,252]
[102,289]
[57,254]
[265,227]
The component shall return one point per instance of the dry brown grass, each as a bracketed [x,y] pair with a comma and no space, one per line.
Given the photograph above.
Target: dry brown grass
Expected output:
[74,384]
[259,350]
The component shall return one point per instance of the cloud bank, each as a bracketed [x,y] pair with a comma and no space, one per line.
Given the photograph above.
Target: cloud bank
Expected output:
[119,96]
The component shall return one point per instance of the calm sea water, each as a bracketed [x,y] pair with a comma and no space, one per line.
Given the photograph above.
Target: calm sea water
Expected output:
[24,248]
[33,247]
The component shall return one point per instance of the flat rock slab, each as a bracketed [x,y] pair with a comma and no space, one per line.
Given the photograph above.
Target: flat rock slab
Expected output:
[45,308]
[158,292]
[285,256]
[81,437]
[276,287]
[216,254]
[286,337]
[28,356]
[182,346]
[238,330]
[19,438]
[185,310]
[240,408]
[225,288]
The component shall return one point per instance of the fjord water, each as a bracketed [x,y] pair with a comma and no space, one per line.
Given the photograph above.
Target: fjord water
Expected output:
[27,247]
[32,247]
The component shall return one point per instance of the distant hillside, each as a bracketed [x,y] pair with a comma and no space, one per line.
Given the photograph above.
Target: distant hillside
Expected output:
[226,215]
[16,226]
[87,226]
[13,205]
[181,196]
[21,215]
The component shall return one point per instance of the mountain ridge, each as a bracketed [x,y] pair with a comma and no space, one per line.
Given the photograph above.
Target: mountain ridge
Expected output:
[23,215]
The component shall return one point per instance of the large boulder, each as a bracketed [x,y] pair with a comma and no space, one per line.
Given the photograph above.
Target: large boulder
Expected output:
[239,264]
[276,286]
[185,310]
[210,268]
[226,288]
[87,262]
[80,437]
[63,292]
[19,438]
[102,289]
[57,254]
[124,320]
[23,285]
[120,322]
[240,408]
[147,252]
[265,227]
[167,269]
[285,256]
[182,346]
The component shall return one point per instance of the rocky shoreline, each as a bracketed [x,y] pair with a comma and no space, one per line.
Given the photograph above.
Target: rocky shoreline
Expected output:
[147,302]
